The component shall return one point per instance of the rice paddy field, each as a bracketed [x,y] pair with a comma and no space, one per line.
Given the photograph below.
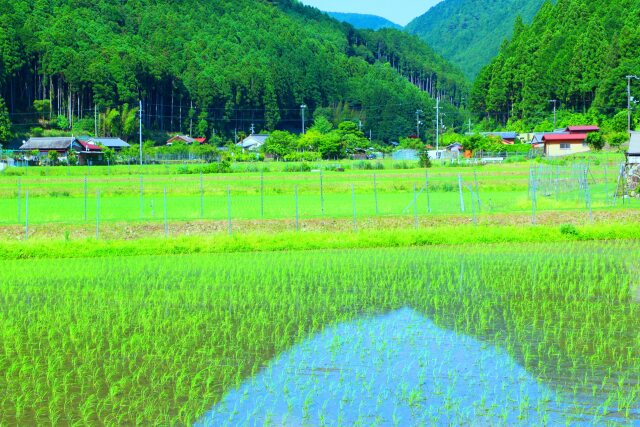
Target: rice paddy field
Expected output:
[491,334]
[479,295]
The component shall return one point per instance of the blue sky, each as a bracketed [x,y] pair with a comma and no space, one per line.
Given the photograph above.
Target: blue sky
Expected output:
[398,11]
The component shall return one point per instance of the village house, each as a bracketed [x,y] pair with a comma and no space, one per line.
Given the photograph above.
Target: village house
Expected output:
[253,142]
[88,154]
[116,144]
[508,138]
[579,130]
[557,145]
[186,140]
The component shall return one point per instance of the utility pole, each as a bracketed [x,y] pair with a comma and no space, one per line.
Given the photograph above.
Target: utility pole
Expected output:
[469,125]
[253,129]
[418,112]
[437,124]
[629,101]
[360,125]
[555,103]
[95,120]
[140,132]
[303,107]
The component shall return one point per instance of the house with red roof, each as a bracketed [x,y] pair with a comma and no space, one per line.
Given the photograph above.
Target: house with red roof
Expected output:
[577,130]
[565,144]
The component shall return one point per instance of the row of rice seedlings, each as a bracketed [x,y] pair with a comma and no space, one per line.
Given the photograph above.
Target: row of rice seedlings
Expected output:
[161,339]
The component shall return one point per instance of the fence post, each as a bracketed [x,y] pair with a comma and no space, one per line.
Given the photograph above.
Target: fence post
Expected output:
[201,195]
[355,214]
[415,206]
[534,201]
[26,214]
[262,194]
[97,214]
[475,179]
[321,194]
[426,186]
[85,197]
[460,191]
[229,211]
[166,223]
[375,192]
[19,201]
[141,197]
[295,191]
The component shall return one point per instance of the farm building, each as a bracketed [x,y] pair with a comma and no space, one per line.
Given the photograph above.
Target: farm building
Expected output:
[253,142]
[186,140]
[557,145]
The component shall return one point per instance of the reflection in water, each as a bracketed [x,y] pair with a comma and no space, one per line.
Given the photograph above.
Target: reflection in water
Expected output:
[396,369]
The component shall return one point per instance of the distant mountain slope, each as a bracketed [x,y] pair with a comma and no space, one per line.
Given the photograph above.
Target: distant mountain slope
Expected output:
[469,32]
[249,62]
[364,22]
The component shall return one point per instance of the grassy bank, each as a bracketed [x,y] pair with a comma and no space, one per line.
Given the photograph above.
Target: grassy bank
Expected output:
[291,241]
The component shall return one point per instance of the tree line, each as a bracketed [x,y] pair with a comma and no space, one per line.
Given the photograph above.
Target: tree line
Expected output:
[210,67]
[575,54]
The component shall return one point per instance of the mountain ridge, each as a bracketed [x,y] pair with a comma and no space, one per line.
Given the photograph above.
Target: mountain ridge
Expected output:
[364,21]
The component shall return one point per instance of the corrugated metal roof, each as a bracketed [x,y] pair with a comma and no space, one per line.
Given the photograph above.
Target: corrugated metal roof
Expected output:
[48,143]
[590,128]
[109,142]
[503,135]
[634,145]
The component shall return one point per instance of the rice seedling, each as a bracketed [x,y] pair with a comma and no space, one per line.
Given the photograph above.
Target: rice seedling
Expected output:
[539,332]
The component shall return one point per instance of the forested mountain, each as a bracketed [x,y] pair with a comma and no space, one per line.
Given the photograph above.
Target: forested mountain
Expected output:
[218,65]
[364,22]
[577,52]
[469,32]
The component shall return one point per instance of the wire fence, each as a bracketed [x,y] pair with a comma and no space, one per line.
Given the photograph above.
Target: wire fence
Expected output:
[355,196]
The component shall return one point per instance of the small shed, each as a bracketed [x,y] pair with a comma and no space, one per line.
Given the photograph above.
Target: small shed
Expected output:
[633,155]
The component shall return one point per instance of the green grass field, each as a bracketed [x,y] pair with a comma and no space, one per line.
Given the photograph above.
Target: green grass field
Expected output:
[139,197]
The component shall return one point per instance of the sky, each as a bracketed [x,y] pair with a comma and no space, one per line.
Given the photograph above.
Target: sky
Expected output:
[399,11]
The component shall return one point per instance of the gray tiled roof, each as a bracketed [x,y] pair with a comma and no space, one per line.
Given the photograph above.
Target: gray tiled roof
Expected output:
[254,140]
[48,143]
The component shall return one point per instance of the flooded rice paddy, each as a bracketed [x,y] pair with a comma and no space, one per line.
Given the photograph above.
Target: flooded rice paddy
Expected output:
[401,369]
